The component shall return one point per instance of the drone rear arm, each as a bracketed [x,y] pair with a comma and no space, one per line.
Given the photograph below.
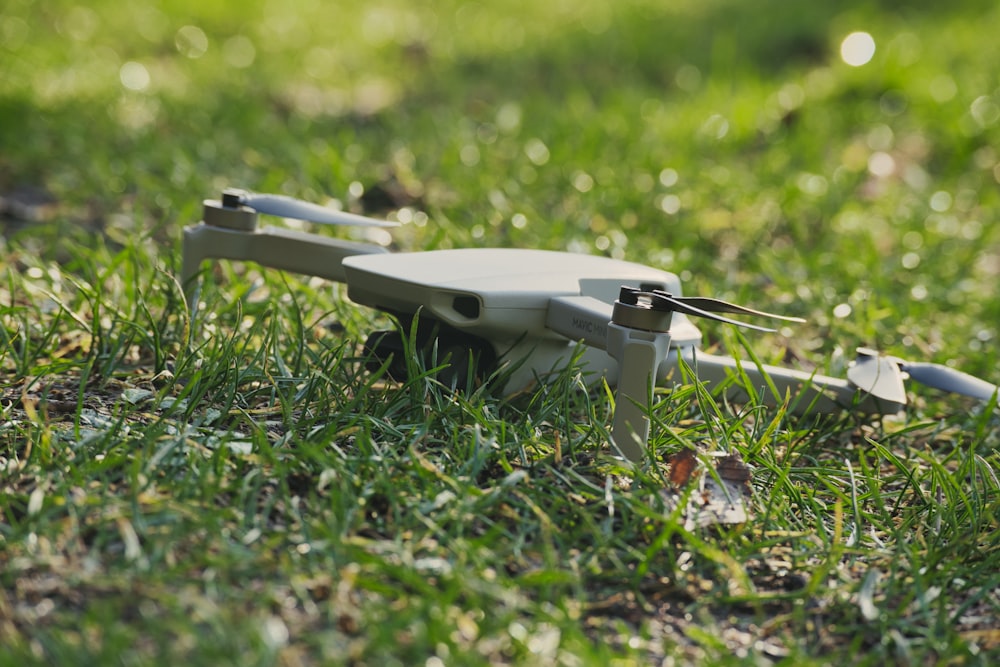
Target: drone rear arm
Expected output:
[275,247]
[808,392]
[588,319]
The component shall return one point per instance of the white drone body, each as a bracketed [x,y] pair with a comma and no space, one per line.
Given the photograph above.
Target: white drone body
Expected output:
[518,300]
[532,309]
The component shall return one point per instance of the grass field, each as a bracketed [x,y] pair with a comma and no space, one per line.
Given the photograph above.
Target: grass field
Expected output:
[239,490]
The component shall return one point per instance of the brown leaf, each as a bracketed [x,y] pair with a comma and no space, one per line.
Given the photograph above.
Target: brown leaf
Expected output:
[732,468]
[682,466]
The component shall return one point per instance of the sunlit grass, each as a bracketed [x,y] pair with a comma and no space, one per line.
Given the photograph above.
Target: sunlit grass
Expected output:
[238,488]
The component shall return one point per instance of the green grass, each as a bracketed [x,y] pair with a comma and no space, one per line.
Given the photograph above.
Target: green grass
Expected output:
[240,490]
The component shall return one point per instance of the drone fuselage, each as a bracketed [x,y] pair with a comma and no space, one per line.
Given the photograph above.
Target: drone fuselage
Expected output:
[506,296]
[491,292]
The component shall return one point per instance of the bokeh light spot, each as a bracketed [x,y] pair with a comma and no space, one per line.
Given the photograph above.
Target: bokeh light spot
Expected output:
[670,204]
[469,154]
[842,310]
[881,165]
[583,181]
[857,49]
[985,111]
[134,76]
[191,41]
[239,51]
[941,201]
[537,151]
[943,88]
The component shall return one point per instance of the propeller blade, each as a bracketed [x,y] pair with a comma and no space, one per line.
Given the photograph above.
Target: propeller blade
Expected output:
[720,306]
[289,207]
[948,379]
[664,302]
[683,306]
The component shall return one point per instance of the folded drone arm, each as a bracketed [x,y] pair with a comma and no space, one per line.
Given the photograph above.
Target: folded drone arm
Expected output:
[946,378]
[645,355]
[275,247]
[806,393]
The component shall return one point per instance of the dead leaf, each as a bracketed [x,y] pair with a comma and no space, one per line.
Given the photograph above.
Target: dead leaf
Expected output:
[718,499]
[732,468]
[682,466]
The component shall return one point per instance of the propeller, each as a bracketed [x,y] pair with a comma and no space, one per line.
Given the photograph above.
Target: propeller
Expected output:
[936,376]
[642,309]
[701,306]
[289,207]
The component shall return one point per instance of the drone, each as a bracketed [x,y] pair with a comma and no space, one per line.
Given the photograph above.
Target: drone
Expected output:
[534,312]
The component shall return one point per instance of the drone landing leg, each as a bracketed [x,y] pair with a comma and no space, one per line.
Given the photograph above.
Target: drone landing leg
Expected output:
[638,354]
[639,339]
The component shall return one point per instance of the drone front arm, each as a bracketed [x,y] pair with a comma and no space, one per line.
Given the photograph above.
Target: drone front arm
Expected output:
[808,392]
[875,387]
[275,247]
[585,318]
